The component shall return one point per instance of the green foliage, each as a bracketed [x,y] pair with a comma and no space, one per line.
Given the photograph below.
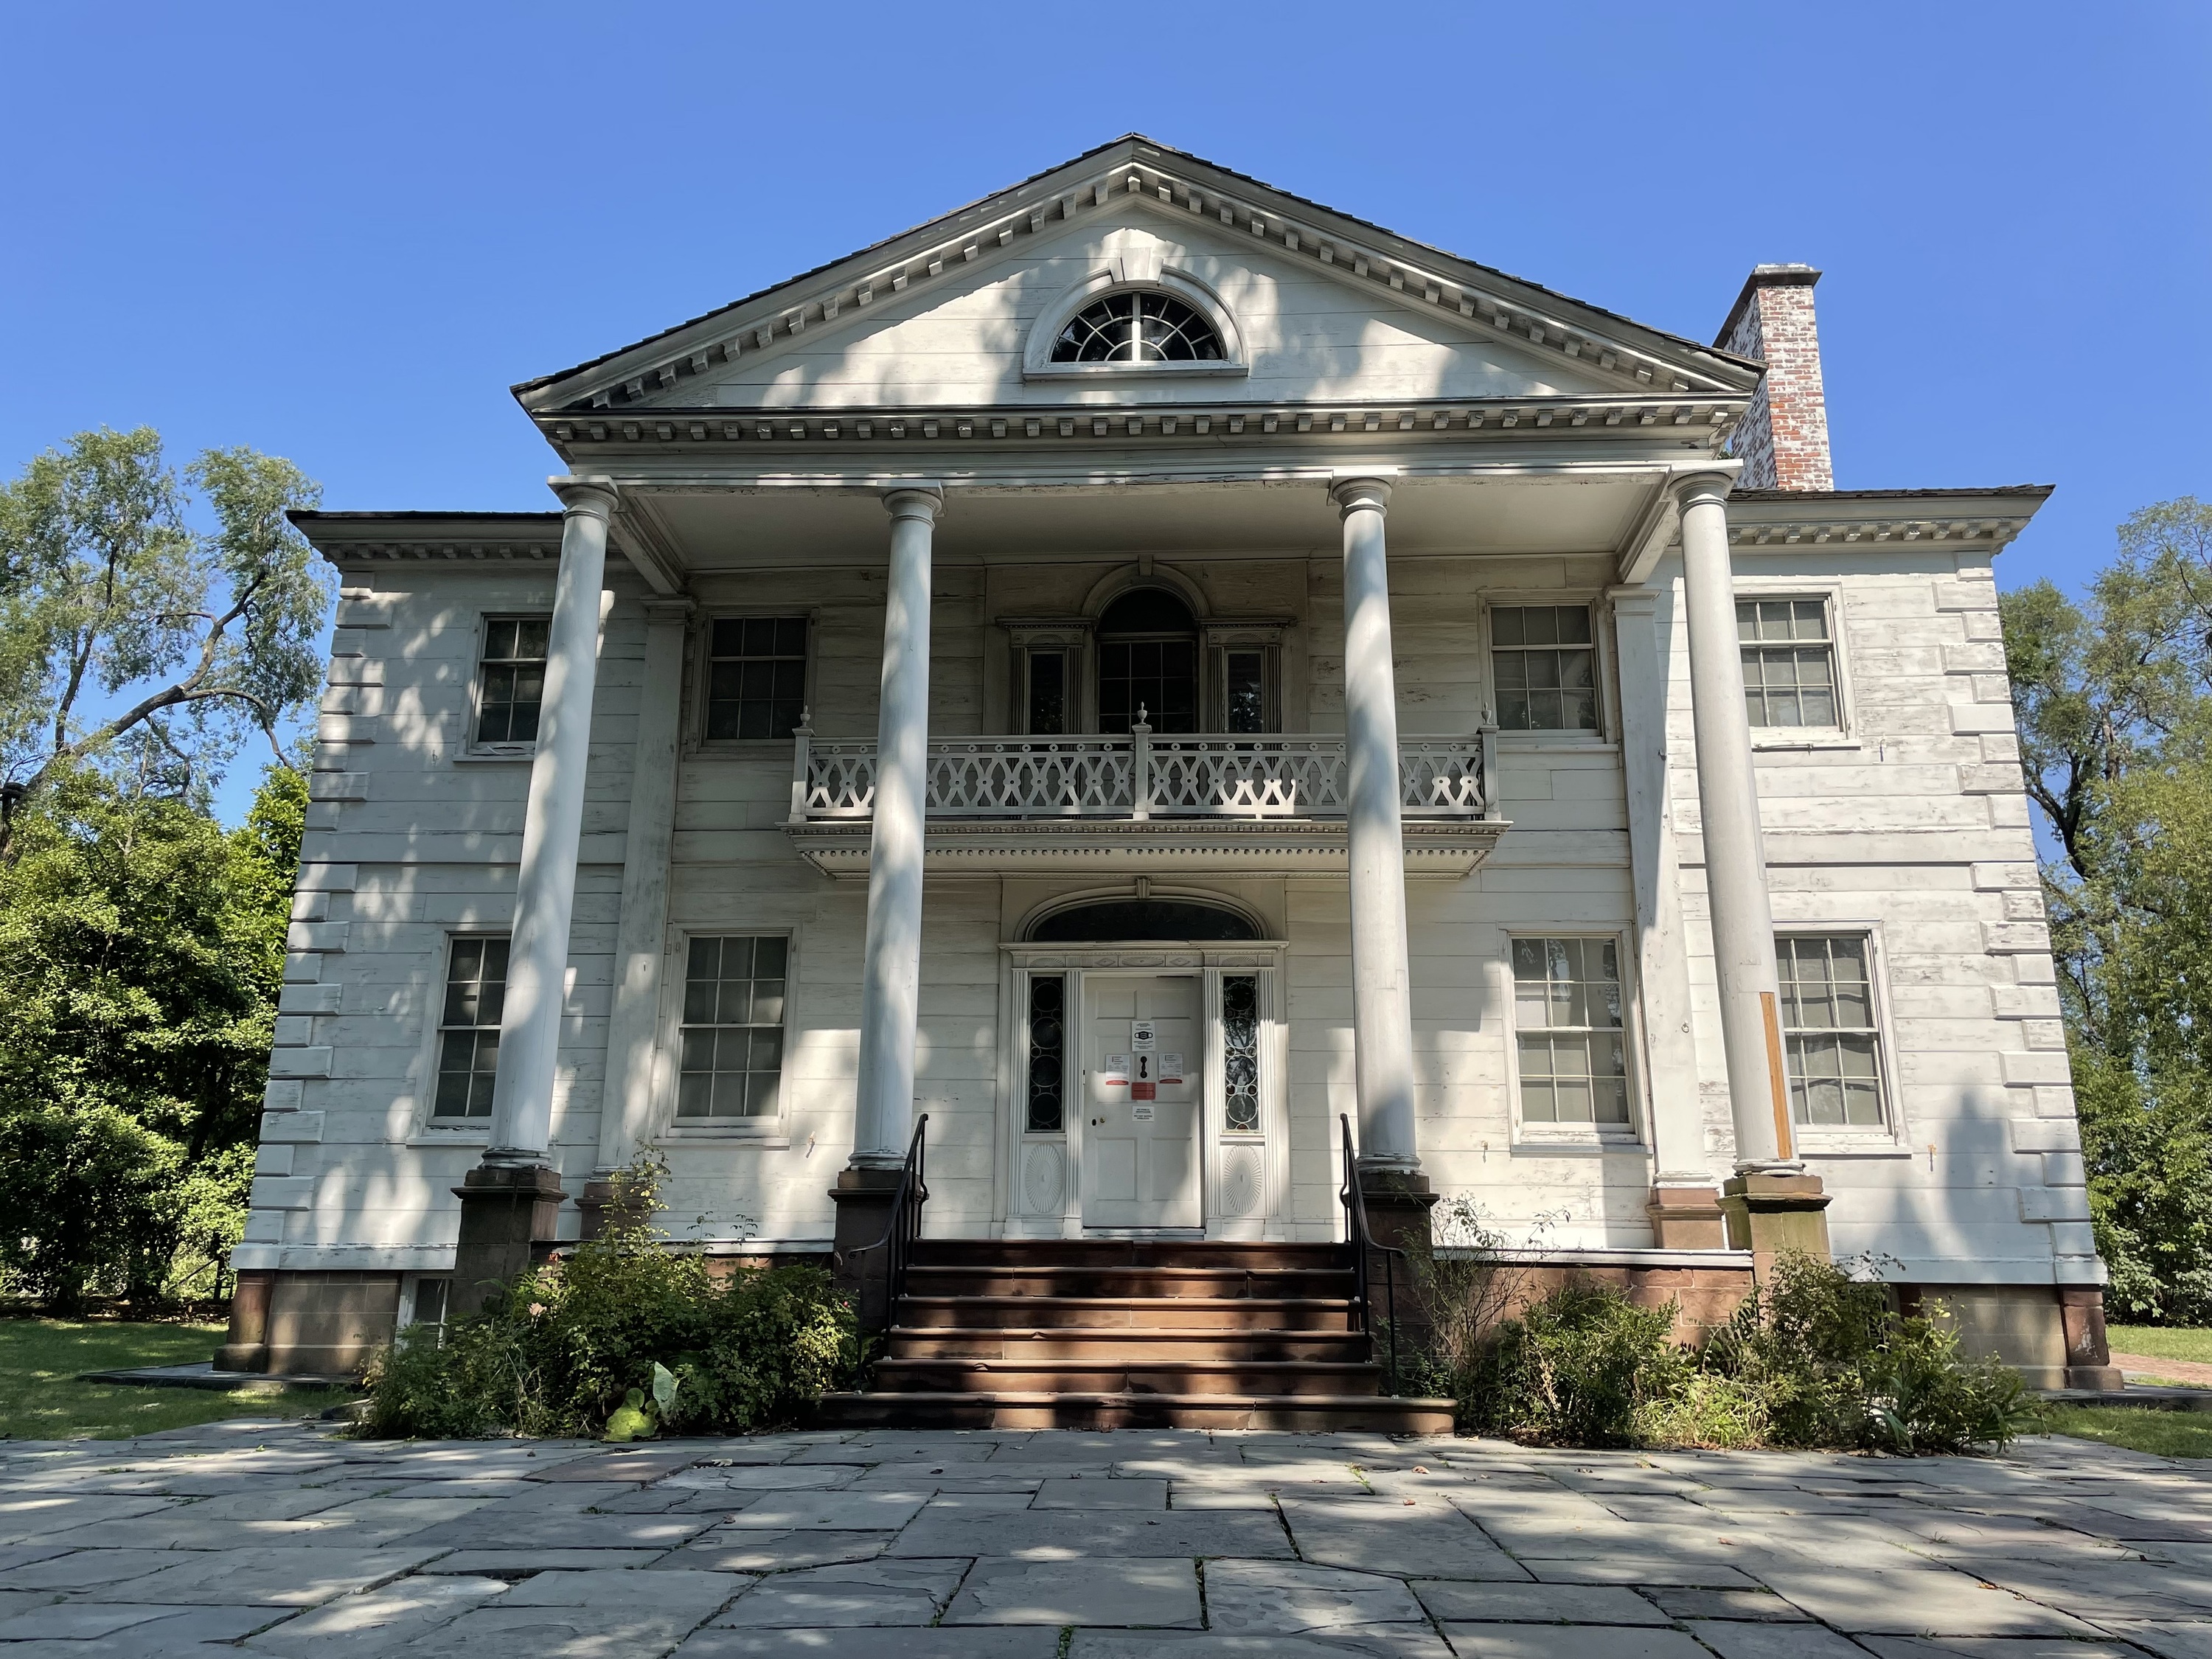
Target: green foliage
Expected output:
[1576,1368]
[1817,1359]
[40,1398]
[141,952]
[2114,701]
[623,1336]
[2162,1434]
[128,640]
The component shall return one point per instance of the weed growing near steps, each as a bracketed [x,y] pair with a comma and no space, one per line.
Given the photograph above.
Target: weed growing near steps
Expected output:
[558,1350]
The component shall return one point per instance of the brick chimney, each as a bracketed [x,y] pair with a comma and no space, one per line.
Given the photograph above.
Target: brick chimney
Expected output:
[1783,439]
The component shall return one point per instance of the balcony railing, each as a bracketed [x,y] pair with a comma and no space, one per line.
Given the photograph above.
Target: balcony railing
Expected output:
[1144,775]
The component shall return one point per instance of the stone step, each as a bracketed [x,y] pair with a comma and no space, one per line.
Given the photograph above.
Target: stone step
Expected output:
[1101,1313]
[1109,1375]
[1219,1284]
[1003,1409]
[1228,1255]
[1126,1345]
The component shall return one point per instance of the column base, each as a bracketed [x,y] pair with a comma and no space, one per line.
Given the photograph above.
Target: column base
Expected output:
[1769,1211]
[245,1344]
[863,1197]
[2089,1355]
[1687,1218]
[601,1211]
[1398,1205]
[509,1213]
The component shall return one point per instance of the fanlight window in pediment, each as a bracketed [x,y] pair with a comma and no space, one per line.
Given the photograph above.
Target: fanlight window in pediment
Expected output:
[1146,918]
[1138,326]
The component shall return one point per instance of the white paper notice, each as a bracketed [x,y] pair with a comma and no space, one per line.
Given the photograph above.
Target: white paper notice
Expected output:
[1141,1114]
[1142,1036]
[1170,1067]
[1114,1072]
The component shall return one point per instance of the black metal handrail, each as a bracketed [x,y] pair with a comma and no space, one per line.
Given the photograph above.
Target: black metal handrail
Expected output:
[1363,1245]
[901,1232]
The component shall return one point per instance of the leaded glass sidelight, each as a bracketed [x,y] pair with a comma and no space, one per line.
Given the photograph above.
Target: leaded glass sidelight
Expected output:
[1240,1052]
[1137,328]
[1048,1046]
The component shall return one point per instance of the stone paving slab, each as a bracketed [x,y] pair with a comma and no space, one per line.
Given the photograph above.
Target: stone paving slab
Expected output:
[287,1541]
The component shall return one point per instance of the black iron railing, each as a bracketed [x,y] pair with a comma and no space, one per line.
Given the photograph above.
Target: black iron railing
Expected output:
[1364,1250]
[881,1284]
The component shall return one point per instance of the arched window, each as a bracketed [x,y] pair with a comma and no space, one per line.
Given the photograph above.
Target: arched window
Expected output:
[1123,919]
[1137,327]
[1148,660]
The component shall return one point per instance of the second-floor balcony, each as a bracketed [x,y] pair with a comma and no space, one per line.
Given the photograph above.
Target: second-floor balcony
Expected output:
[1258,804]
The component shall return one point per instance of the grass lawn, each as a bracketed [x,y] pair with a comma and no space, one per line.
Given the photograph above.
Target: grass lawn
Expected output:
[2162,1341]
[40,1398]
[2166,1434]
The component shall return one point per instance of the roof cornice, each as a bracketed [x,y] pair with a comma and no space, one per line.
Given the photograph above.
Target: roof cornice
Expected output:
[1784,519]
[1174,184]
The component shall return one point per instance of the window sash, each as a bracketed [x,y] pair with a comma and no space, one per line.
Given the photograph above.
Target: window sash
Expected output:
[1544,667]
[730,1039]
[1569,1031]
[1047,1113]
[1831,1038]
[511,678]
[468,1027]
[755,676]
[1789,677]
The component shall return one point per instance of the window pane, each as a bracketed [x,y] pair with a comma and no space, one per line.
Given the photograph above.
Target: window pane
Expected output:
[1827,1018]
[1247,701]
[732,1038]
[1047,1057]
[1048,692]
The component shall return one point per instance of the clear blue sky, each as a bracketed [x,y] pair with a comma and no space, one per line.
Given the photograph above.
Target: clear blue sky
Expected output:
[339,233]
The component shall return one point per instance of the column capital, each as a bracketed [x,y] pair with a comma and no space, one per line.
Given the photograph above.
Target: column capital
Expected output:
[595,496]
[1706,481]
[1353,491]
[670,608]
[917,499]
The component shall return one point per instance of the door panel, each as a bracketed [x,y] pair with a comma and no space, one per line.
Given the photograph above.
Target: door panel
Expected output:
[1140,1160]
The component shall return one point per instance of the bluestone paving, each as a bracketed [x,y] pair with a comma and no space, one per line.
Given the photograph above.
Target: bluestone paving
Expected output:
[291,1540]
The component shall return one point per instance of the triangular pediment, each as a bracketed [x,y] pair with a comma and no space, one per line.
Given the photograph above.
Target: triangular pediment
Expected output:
[1320,306]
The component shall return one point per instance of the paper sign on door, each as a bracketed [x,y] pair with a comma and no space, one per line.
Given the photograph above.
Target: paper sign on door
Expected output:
[1114,1072]
[1144,1084]
[1143,1038]
[1170,1067]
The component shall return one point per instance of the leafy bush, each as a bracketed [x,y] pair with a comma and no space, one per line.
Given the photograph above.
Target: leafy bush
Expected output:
[1816,1357]
[1576,1368]
[558,1350]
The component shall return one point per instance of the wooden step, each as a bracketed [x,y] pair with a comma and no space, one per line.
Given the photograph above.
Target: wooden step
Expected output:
[1126,1252]
[1297,1413]
[1113,1375]
[1124,1345]
[1099,1313]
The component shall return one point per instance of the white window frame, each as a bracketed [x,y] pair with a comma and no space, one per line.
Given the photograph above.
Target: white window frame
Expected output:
[702,658]
[1605,737]
[1891,1138]
[1137,269]
[668,1063]
[1843,734]
[430,1129]
[1538,1136]
[470,749]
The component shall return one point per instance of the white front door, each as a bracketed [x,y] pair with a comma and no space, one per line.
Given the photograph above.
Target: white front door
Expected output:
[1144,1044]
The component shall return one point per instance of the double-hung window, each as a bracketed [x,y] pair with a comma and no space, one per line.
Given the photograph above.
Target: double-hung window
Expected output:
[1829,1030]
[1788,662]
[511,679]
[1544,662]
[1567,1021]
[468,1029]
[755,675]
[731,1045]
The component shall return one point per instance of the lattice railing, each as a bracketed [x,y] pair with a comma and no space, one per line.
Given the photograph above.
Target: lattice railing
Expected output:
[1143,776]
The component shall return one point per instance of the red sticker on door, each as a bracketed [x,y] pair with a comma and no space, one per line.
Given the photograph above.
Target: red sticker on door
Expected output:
[1143,1092]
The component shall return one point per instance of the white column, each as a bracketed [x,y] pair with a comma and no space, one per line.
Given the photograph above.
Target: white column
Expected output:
[1382,1018]
[1663,962]
[545,889]
[891,966]
[1736,859]
[641,934]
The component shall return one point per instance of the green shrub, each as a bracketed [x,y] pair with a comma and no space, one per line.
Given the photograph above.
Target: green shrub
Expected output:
[1576,1369]
[556,1352]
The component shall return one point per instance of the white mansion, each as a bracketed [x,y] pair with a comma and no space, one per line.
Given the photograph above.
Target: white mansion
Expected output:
[1138,670]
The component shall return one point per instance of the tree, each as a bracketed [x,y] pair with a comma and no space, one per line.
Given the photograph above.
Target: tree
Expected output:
[141,952]
[2114,701]
[124,633]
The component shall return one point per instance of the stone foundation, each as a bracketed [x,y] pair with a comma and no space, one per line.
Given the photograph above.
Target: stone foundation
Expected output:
[2023,1325]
